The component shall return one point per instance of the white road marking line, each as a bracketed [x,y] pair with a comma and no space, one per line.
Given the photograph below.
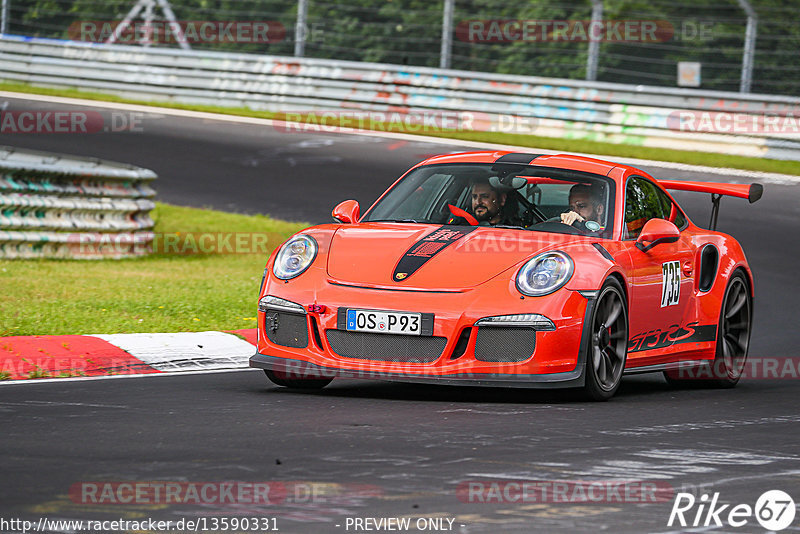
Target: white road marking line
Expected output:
[51,403]
[680,428]
[72,379]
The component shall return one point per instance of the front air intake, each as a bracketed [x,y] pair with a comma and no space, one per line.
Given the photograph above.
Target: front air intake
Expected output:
[504,344]
[286,329]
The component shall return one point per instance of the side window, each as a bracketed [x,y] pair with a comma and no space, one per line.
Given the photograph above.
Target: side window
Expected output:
[680,219]
[642,203]
[671,210]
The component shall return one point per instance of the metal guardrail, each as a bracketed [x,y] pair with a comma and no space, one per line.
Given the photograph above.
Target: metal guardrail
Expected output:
[616,113]
[68,207]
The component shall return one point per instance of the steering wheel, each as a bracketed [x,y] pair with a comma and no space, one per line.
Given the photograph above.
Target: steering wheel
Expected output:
[458,212]
[581,226]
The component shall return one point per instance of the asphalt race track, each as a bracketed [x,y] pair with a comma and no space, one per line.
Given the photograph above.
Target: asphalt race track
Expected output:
[371,450]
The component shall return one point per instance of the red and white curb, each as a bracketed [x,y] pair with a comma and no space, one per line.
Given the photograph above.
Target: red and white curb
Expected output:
[38,357]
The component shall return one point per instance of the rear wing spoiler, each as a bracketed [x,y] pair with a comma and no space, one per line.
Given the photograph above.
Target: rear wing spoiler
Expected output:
[752,192]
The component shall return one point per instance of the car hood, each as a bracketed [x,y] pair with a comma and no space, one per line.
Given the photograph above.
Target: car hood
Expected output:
[371,253]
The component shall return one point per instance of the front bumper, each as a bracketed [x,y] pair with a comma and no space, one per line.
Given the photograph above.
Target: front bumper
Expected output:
[299,369]
[556,360]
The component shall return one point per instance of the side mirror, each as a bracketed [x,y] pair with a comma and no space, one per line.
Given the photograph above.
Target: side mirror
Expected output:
[655,232]
[347,212]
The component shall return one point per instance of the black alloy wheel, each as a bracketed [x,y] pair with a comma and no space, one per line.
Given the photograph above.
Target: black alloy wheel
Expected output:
[608,343]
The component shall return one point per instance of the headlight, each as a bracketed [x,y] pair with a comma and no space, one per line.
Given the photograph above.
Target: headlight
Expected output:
[544,274]
[295,256]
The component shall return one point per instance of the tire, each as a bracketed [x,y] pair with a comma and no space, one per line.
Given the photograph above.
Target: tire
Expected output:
[607,349]
[278,378]
[733,339]
[733,332]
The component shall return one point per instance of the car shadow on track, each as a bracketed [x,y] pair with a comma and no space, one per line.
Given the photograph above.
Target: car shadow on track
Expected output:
[632,389]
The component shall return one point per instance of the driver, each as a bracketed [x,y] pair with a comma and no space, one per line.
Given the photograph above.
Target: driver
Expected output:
[487,205]
[487,202]
[585,204]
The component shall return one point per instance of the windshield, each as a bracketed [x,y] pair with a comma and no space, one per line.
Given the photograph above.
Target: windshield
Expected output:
[502,196]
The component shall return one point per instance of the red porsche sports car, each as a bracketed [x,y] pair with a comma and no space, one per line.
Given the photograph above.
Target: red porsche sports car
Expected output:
[510,269]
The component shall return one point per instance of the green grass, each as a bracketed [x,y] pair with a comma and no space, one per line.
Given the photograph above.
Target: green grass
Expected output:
[159,293]
[39,373]
[566,145]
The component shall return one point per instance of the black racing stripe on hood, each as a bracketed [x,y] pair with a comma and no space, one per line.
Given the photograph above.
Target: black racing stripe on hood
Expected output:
[518,157]
[426,248]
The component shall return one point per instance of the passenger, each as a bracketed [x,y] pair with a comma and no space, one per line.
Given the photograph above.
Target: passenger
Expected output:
[585,204]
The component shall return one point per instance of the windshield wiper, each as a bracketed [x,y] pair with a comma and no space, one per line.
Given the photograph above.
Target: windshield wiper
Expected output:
[510,226]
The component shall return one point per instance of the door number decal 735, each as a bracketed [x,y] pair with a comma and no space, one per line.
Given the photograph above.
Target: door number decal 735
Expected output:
[670,283]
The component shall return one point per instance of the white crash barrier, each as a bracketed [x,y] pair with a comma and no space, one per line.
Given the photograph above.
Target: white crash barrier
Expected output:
[58,206]
[686,119]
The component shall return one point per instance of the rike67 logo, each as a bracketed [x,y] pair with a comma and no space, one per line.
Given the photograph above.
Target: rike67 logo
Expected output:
[774,510]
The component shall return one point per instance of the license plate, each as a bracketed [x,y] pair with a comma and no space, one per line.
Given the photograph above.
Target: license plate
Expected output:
[383,322]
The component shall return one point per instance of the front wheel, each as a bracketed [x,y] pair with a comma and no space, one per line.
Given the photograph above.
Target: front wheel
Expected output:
[279,379]
[608,343]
